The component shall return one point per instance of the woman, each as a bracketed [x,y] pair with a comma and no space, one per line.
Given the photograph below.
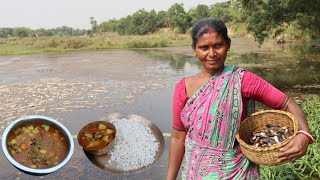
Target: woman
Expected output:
[209,107]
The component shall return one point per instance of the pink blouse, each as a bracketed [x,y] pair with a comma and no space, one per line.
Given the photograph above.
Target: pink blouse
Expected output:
[253,87]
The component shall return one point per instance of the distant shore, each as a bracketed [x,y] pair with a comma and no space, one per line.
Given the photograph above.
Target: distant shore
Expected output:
[35,45]
[103,41]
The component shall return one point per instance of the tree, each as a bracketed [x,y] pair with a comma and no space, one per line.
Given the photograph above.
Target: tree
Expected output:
[139,23]
[267,15]
[222,11]
[143,22]
[21,32]
[63,31]
[161,20]
[5,32]
[94,24]
[178,18]
[108,26]
[200,12]
[124,25]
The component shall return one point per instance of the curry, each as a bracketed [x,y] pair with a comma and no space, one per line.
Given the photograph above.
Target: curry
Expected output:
[37,146]
[96,136]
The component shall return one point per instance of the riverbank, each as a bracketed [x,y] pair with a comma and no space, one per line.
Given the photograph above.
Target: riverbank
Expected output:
[103,41]
[36,45]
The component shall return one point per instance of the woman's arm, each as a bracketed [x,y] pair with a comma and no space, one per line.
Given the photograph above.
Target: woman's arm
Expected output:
[256,88]
[298,146]
[176,153]
[178,135]
[292,107]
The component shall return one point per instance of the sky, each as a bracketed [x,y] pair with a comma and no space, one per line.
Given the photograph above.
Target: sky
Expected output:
[48,14]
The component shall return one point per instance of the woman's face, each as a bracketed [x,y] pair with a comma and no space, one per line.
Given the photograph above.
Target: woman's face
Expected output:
[211,49]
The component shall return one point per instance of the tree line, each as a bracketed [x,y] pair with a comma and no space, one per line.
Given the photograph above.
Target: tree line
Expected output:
[27,32]
[176,18]
[298,18]
[262,18]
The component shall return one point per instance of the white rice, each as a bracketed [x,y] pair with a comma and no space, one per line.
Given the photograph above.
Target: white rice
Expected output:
[135,146]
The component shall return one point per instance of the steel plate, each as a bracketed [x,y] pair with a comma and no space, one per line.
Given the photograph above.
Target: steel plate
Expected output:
[102,161]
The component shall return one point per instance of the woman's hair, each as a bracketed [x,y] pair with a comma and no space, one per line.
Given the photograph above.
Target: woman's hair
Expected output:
[208,25]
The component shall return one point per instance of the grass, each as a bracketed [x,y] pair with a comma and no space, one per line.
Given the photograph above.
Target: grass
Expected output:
[31,45]
[238,30]
[307,167]
[21,49]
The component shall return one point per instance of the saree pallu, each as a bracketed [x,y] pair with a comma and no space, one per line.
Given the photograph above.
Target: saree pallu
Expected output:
[212,116]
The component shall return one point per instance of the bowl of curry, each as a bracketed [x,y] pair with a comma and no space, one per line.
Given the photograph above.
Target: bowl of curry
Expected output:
[37,144]
[97,137]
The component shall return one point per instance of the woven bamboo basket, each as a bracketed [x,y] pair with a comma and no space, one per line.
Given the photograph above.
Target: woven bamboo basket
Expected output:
[267,156]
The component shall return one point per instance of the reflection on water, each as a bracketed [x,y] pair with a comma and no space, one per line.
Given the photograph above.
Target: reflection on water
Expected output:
[288,75]
[180,63]
[176,61]
[191,68]
[290,68]
[310,49]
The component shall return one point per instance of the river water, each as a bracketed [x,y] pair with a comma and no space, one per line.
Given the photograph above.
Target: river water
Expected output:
[79,87]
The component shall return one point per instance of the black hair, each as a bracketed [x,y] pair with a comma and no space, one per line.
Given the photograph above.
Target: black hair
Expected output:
[204,25]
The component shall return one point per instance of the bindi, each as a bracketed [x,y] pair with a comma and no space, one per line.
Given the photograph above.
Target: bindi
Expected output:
[210,32]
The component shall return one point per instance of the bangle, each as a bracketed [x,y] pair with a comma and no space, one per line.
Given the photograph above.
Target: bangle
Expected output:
[311,140]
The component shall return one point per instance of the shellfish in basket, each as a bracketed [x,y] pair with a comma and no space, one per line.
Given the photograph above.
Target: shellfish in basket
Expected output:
[271,135]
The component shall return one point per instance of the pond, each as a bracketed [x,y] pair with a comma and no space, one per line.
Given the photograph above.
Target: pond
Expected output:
[79,87]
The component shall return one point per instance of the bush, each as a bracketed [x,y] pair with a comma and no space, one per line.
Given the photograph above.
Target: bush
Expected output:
[75,43]
[61,42]
[147,43]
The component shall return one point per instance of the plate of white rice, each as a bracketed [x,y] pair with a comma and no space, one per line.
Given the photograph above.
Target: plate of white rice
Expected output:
[138,145]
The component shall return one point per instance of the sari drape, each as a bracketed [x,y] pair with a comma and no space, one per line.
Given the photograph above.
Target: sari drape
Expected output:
[212,117]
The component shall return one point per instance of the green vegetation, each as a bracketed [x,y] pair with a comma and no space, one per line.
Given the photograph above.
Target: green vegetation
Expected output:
[30,45]
[27,32]
[307,167]
[279,19]
[295,18]
[176,18]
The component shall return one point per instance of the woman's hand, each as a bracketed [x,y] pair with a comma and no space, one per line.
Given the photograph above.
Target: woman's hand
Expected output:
[298,146]
[295,149]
